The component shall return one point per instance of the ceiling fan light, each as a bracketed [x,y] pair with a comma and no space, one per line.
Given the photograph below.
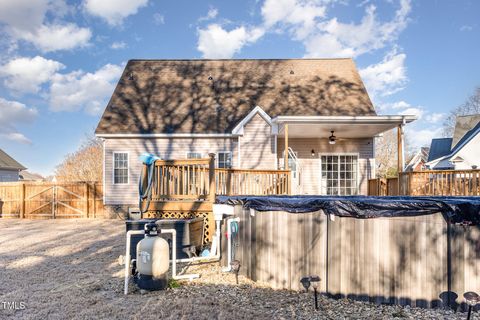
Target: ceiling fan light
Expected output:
[332,139]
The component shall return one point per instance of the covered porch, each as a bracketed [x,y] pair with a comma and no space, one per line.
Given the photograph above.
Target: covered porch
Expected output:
[333,155]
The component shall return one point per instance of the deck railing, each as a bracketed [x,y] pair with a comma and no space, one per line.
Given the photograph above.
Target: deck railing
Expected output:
[429,183]
[198,180]
[252,182]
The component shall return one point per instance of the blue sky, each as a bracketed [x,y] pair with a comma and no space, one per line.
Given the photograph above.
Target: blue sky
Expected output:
[60,60]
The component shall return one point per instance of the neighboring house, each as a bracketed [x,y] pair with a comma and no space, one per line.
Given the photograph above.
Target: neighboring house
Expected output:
[25,175]
[9,168]
[417,163]
[462,152]
[243,110]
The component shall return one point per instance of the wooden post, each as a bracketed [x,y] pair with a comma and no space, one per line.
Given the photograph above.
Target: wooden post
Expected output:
[22,200]
[400,148]
[211,177]
[86,200]
[94,199]
[285,164]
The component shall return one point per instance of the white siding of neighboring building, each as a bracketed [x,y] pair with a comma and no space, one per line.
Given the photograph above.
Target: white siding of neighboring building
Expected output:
[470,154]
[8,175]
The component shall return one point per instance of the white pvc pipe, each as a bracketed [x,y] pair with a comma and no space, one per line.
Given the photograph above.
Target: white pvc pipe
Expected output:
[229,243]
[127,257]
[174,257]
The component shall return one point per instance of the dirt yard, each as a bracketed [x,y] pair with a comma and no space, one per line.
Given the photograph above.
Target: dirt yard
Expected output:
[68,269]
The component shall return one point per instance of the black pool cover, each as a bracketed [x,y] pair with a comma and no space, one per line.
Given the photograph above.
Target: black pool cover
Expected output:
[464,210]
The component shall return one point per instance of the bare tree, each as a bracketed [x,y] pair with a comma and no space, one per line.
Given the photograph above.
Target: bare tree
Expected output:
[85,164]
[470,106]
[386,154]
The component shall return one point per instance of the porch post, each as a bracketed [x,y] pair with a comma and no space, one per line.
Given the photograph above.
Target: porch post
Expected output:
[400,148]
[285,163]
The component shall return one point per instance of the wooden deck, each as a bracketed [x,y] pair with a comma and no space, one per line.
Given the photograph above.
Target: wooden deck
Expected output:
[428,183]
[187,188]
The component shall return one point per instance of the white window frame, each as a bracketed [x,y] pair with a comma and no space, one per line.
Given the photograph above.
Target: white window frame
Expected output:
[217,160]
[191,152]
[338,154]
[113,167]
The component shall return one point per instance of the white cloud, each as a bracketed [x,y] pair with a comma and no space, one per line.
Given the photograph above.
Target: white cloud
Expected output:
[11,114]
[466,28]
[333,38]
[216,42]
[435,117]
[421,136]
[49,38]
[299,15]
[28,74]
[79,90]
[414,111]
[386,77]
[211,14]
[26,20]
[114,11]
[158,18]
[118,45]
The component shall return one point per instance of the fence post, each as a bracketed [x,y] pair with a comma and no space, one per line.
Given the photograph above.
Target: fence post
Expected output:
[22,200]
[211,177]
[94,200]
[86,199]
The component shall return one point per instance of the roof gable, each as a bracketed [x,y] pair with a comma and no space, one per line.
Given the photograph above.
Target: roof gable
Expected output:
[213,96]
[7,162]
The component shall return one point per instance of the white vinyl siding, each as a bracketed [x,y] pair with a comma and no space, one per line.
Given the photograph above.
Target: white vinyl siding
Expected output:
[120,167]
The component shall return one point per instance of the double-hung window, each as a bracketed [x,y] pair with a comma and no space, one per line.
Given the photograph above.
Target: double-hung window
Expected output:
[224,159]
[339,174]
[120,168]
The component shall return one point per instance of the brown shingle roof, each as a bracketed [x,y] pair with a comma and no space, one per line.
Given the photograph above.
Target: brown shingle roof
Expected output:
[7,162]
[213,96]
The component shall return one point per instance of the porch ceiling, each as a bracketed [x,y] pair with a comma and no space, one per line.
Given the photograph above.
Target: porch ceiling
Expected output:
[344,127]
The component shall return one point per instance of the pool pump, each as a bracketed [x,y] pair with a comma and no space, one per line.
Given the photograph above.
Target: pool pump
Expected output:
[152,261]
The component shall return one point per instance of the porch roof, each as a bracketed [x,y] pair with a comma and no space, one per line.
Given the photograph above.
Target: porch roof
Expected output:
[343,126]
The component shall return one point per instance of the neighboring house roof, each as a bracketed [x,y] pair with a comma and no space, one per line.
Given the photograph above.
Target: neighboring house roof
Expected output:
[24,175]
[467,136]
[7,162]
[450,156]
[419,157]
[213,96]
[463,124]
[439,148]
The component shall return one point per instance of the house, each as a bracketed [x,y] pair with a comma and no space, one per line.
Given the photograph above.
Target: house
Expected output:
[25,175]
[417,163]
[247,112]
[9,168]
[462,151]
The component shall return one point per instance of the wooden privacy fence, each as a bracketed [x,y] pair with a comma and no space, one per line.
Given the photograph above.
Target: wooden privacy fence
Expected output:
[428,183]
[41,200]
[420,261]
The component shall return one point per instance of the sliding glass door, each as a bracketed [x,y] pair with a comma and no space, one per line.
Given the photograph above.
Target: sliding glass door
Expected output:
[339,174]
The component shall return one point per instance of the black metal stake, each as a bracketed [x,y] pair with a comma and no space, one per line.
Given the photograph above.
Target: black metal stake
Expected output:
[469,312]
[316,298]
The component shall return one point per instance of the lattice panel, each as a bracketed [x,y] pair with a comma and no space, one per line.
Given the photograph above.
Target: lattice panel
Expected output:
[208,221]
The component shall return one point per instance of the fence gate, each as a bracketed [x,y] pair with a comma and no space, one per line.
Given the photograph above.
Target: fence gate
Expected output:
[56,201]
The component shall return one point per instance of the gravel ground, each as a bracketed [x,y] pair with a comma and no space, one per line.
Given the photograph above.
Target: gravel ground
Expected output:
[68,270]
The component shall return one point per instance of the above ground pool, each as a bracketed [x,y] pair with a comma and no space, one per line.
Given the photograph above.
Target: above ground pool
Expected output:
[419,251]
